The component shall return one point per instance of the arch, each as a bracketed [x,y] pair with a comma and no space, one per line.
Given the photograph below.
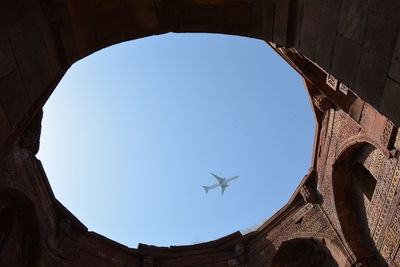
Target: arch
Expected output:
[42,39]
[50,37]
[335,246]
[303,252]
[97,24]
[63,32]
[358,141]
[351,183]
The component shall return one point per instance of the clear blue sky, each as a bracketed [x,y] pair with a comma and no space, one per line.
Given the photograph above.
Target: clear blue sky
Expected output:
[131,133]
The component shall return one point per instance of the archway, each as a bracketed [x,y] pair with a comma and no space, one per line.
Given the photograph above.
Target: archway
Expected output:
[42,48]
[217,102]
[42,39]
[303,252]
[353,189]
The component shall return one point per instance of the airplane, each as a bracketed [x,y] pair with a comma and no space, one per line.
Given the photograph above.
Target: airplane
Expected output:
[222,182]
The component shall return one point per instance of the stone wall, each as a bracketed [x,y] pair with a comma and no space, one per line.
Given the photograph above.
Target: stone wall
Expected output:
[346,210]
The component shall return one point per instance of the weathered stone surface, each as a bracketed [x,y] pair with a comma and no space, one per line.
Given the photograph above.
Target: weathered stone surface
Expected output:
[356,109]
[264,18]
[346,56]
[32,59]
[394,71]
[345,61]
[13,98]
[330,32]
[327,30]
[353,18]
[282,7]
[4,124]
[345,211]
[309,33]
[390,100]
[6,54]
[376,55]
[295,24]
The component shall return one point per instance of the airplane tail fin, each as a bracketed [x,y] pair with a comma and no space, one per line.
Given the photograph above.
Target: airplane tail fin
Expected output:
[206,188]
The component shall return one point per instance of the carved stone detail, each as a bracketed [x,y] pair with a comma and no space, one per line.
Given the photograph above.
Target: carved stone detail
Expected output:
[322,102]
[332,82]
[343,88]
[380,204]
[387,134]
[309,195]
[389,244]
[397,140]
[344,127]
[373,163]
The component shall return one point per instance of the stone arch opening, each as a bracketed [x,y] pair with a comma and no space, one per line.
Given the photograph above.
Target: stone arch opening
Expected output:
[47,37]
[353,188]
[63,47]
[303,252]
[204,175]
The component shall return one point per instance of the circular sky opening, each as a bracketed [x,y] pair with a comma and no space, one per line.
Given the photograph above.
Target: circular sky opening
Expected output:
[132,132]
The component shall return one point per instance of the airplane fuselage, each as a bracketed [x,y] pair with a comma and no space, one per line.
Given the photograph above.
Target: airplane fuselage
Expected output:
[222,182]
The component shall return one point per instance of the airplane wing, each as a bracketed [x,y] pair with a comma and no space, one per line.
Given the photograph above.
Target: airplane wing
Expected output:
[220,180]
[213,186]
[232,178]
[223,189]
